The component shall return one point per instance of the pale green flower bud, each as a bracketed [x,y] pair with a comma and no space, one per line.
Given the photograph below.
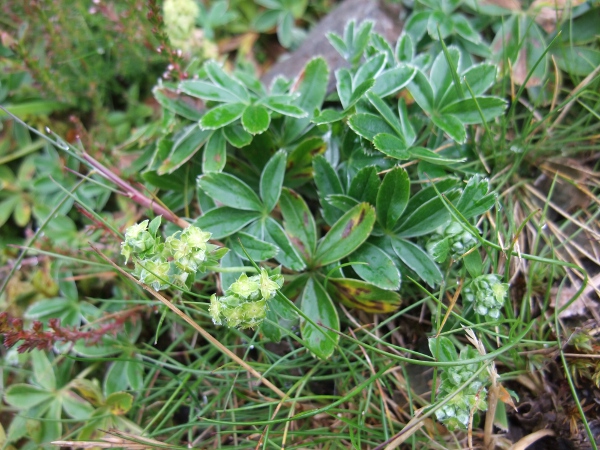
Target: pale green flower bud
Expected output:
[137,240]
[488,295]
[180,18]
[245,305]
[269,286]
[195,237]
[245,287]
[155,273]
[452,240]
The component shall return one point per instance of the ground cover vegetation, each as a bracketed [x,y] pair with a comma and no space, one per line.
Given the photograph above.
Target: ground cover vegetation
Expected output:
[194,259]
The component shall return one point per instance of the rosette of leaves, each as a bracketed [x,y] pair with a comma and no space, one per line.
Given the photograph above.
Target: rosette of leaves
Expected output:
[451,239]
[487,293]
[456,413]
[451,96]
[245,302]
[294,243]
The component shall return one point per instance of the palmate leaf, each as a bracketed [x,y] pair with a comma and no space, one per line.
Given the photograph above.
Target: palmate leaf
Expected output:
[362,295]
[475,110]
[258,249]
[346,235]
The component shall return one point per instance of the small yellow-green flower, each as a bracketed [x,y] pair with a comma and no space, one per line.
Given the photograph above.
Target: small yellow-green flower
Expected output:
[268,287]
[244,286]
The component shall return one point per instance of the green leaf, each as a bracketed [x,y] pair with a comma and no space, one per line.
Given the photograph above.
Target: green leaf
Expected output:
[416,25]
[256,119]
[328,116]
[577,60]
[344,86]
[115,379]
[6,208]
[441,72]
[361,295]
[190,142]
[341,201]
[479,78]
[470,110]
[452,126]
[43,372]
[369,69]
[298,222]
[135,375]
[392,146]
[392,197]
[312,90]
[392,80]
[285,27]
[464,29]
[258,250]
[405,49]
[442,349]
[346,235]
[25,396]
[236,135]
[282,104]
[177,103]
[369,125]
[327,183]
[230,191]
[364,185]
[418,261]
[422,92]
[119,403]
[271,180]
[475,199]
[75,406]
[299,165]
[386,113]
[287,255]
[359,92]
[222,79]
[426,218]
[379,269]
[215,153]
[424,154]
[154,225]
[222,115]
[206,91]
[316,304]
[473,263]
[224,221]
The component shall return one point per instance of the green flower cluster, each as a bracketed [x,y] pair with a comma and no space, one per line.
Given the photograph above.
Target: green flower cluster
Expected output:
[180,20]
[456,413]
[488,294]
[173,262]
[452,240]
[245,302]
